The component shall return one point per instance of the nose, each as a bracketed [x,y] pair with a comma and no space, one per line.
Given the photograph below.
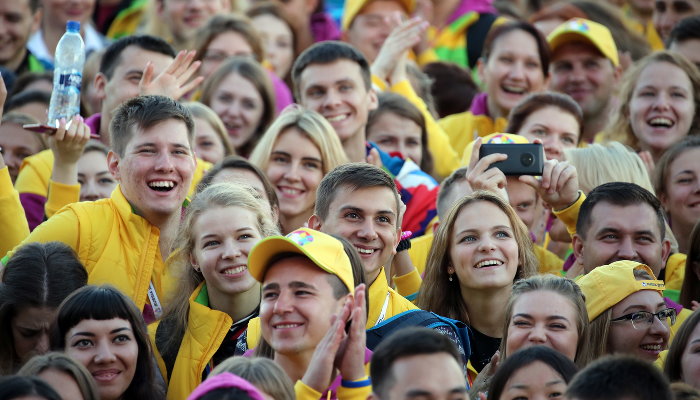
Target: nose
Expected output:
[283,304]
[553,147]
[662,101]
[486,245]
[164,162]
[367,231]
[292,172]
[104,353]
[42,344]
[88,191]
[517,71]
[627,251]
[659,328]
[231,250]
[537,335]
[332,99]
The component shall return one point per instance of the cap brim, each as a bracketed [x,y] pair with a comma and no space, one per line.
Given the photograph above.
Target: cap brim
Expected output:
[267,249]
[571,36]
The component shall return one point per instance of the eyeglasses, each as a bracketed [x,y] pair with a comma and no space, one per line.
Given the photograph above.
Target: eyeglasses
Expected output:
[644,319]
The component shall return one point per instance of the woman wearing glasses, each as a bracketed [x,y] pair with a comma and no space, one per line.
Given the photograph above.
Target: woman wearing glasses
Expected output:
[627,310]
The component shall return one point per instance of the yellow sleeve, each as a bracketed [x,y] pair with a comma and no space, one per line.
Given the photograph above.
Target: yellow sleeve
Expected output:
[675,271]
[303,391]
[445,157]
[408,285]
[12,219]
[34,174]
[199,171]
[63,227]
[459,129]
[420,248]
[361,393]
[569,215]
[60,195]
[253,333]
[550,263]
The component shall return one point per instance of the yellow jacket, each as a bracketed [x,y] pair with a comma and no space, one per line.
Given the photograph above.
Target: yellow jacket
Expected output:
[464,127]
[115,245]
[12,220]
[206,330]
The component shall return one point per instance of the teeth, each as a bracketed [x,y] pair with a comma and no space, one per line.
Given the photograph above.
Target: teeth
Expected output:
[652,347]
[285,326]
[364,251]
[488,263]
[162,184]
[336,118]
[514,89]
[234,270]
[291,191]
[661,122]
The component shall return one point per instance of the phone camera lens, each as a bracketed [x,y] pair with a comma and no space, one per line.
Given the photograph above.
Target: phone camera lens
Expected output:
[526,159]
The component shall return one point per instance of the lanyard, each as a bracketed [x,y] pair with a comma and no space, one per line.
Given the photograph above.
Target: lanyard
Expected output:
[382,314]
[155,302]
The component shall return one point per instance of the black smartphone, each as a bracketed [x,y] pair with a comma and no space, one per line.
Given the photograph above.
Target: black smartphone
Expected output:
[523,158]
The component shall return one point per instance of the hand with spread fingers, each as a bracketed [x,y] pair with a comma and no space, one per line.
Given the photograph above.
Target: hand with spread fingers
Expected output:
[403,37]
[175,81]
[481,177]
[341,351]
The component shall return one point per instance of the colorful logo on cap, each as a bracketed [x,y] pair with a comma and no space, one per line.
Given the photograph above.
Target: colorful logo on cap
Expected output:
[501,139]
[300,237]
[579,25]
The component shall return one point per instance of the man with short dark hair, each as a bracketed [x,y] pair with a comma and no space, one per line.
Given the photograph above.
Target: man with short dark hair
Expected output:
[18,20]
[685,39]
[333,79]
[668,13]
[621,221]
[124,240]
[417,363]
[617,378]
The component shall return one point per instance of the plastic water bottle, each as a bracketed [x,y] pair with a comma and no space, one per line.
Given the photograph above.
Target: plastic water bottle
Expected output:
[67,75]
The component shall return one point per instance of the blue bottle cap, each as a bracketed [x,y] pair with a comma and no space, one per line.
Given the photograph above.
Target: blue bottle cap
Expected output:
[73,26]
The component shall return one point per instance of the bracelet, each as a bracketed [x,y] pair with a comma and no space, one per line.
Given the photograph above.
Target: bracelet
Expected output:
[364,382]
[404,244]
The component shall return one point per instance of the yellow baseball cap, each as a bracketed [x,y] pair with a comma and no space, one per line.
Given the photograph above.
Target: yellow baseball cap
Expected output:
[353,7]
[609,284]
[323,250]
[494,138]
[579,29]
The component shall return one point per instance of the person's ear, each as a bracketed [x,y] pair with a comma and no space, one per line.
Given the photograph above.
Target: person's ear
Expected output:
[100,84]
[113,161]
[665,251]
[193,262]
[373,100]
[315,222]
[481,69]
[36,19]
[577,246]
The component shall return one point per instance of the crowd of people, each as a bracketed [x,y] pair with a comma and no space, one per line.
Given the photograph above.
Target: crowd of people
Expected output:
[288,199]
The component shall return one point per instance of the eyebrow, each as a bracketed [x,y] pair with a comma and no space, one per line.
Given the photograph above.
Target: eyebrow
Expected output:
[97,174]
[360,210]
[293,284]
[92,334]
[550,317]
[550,383]
[493,228]
[685,171]
[641,307]
[208,235]
[426,393]
[616,230]
[284,153]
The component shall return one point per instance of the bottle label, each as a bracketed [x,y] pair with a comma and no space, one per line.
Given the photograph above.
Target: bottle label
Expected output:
[70,80]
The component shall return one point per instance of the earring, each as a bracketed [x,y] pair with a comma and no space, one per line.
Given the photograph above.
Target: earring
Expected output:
[450,278]
[197,269]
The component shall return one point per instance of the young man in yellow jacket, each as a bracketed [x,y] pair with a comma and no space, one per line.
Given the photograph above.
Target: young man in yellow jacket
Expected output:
[124,240]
